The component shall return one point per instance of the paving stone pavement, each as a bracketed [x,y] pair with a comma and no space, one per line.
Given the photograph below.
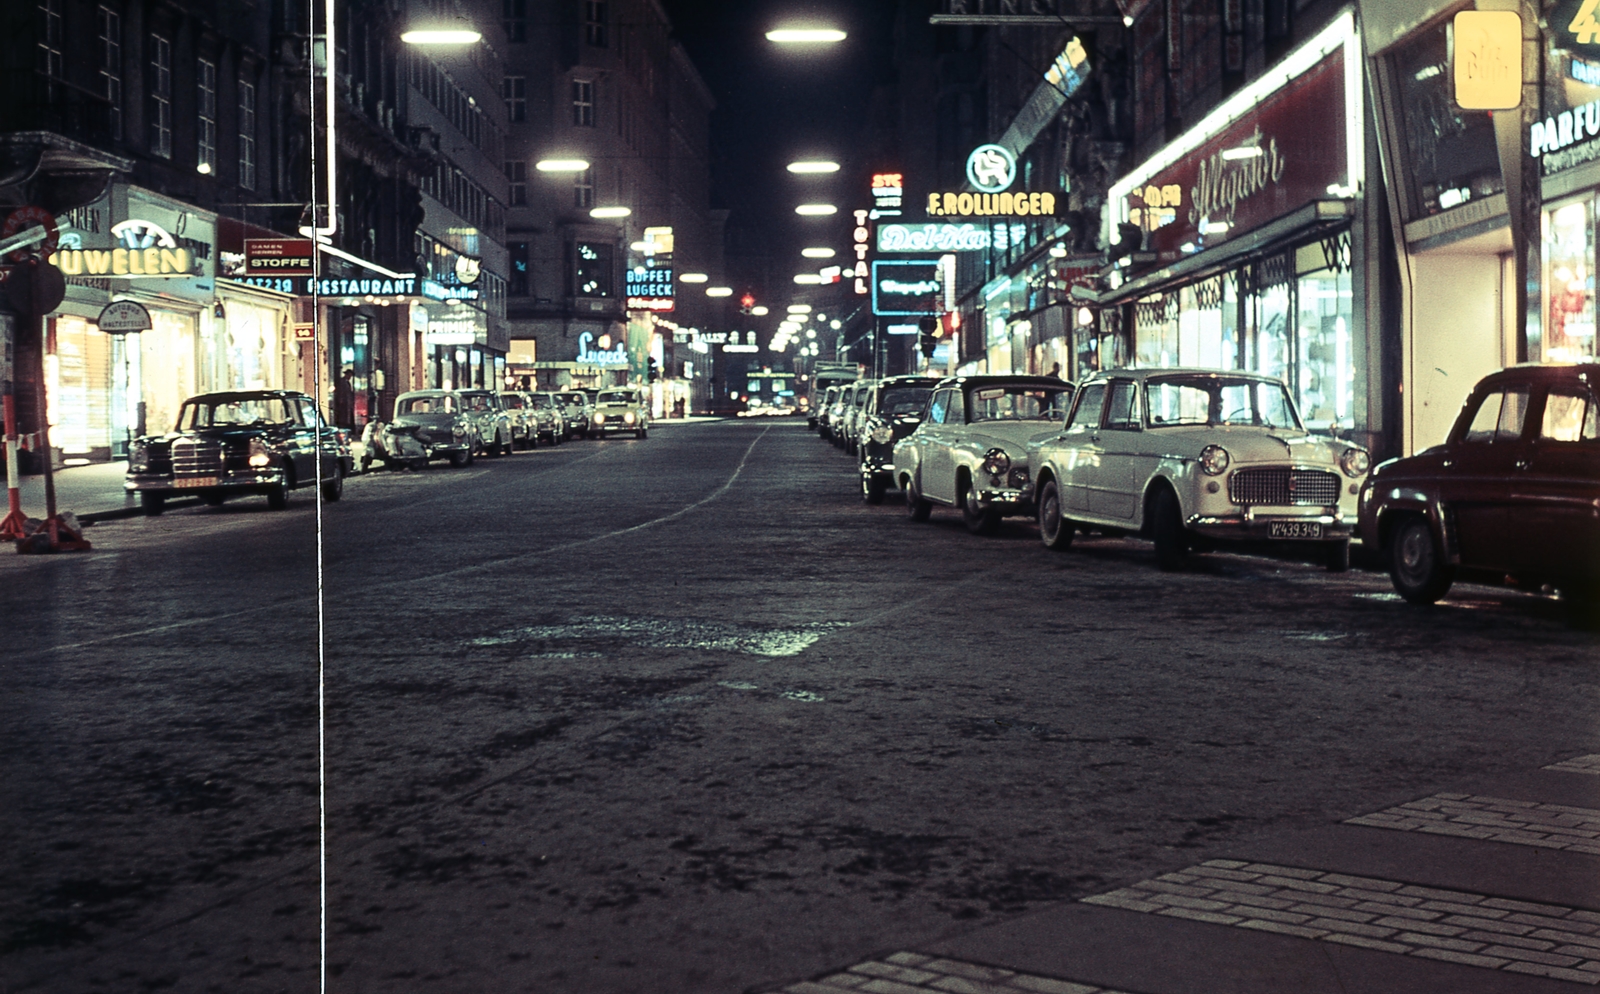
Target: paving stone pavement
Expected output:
[1389,915]
[914,973]
[1578,764]
[1494,819]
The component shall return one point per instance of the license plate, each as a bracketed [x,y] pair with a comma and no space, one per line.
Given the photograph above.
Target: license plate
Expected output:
[195,481]
[1294,529]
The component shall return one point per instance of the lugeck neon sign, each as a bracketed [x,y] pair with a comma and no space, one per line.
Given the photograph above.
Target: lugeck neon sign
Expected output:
[143,248]
[588,355]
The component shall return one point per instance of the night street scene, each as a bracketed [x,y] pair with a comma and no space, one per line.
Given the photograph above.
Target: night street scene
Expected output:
[800,497]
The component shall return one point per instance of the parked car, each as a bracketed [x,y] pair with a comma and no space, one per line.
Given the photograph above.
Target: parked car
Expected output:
[1193,457]
[836,410]
[621,410]
[1513,491]
[492,421]
[970,451]
[523,421]
[579,411]
[824,412]
[551,422]
[854,405]
[246,442]
[893,410]
[438,419]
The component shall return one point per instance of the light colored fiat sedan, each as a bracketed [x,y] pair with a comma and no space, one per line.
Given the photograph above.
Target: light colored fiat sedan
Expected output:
[1192,457]
[971,450]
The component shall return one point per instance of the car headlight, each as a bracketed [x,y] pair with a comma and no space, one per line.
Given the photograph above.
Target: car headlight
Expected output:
[1214,460]
[996,462]
[628,418]
[1354,462]
[459,431]
[883,435]
[599,419]
[260,455]
[139,456]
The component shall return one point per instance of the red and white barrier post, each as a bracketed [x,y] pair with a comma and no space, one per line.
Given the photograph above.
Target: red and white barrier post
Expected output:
[11,527]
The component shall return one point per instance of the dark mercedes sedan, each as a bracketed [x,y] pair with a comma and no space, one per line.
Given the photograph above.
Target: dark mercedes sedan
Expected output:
[1514,491]
[249,442]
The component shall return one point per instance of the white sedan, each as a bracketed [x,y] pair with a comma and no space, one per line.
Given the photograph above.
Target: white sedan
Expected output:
[1190,457]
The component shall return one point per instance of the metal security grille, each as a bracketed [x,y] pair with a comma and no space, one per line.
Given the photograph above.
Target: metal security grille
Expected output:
[196,457]
[1283,487]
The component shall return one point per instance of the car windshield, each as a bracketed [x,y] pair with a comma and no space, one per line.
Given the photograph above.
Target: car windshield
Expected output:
[615,397]
[513,402]
[904,400]
[1015,403]
[541,402]
[478,402]
[571,398]
[425,405]
[236,413]
[1218,400]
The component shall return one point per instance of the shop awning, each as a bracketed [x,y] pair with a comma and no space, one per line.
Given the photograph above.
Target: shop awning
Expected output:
[1310,220]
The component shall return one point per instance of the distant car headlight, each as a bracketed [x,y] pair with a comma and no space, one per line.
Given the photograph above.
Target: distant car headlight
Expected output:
[260,455]
[883,435]
[627,418]
[996,462]
[599,419]
[1214,460]
[1354,462]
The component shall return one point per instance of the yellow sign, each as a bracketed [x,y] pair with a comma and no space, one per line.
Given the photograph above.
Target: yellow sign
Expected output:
[124,262]
[991,204]
[1488,59]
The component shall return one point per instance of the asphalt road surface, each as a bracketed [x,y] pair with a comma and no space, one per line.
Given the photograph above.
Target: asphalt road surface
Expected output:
[683,714]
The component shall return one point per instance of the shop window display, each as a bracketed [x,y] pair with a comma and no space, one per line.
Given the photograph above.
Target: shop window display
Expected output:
[1155,321]
[1569,282]
[1324,380]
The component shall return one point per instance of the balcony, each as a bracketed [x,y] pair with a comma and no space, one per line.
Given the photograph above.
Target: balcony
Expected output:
[35,102]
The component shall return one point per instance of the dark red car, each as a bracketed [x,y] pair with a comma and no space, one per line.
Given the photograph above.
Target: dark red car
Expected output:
[1513,492]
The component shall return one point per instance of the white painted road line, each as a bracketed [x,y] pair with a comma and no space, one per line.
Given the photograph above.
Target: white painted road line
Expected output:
[1547,940]
[1494,819]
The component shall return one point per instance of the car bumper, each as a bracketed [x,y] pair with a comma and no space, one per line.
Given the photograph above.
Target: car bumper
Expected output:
[221,483]
[1007,500]
[1299,524]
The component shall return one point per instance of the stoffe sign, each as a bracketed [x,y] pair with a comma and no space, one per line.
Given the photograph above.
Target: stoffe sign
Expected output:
[279,257]
[122,317]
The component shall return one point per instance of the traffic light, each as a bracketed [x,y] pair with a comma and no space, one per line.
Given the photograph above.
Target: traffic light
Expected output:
[655,370]
[930,335]
[747,303]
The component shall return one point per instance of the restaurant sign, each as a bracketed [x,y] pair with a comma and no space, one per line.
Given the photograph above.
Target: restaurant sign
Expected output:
[1259,157]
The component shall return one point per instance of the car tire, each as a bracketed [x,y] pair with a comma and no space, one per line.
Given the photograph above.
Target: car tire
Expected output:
[278,495]
[1336,556]
[458,459]
[333,487]
[917,507]
[1416,564]
[873,487]
[1055,531]
[979,520]
[152,504]
[1171,538]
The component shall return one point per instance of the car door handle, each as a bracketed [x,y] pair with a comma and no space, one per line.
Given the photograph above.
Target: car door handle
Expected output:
[1523,463]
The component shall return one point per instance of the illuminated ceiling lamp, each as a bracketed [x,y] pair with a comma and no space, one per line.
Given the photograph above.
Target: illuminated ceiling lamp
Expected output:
[806,36]
[561,165]
[610,212]
[817,253]
[441,33]
[694,278]
[816,210]
[799,308]
[719,291]
[760,310]
[813,166]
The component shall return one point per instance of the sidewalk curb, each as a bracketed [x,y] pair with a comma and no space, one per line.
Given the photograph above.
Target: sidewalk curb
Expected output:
[114,514]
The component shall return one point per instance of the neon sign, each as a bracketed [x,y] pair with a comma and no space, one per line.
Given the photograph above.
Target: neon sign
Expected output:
[588,355]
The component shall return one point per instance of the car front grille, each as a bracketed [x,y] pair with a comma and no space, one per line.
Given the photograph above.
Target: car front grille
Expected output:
[196,457]
[1283,487]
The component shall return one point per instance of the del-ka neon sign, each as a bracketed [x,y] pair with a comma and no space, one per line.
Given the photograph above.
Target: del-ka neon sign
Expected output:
[588,355]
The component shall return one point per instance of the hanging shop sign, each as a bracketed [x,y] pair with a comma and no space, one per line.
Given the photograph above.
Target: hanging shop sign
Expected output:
[279,257]
[1486,58]
[434,290]
[1575,25]
[1269,150]
[451,330]
[991,168]
[1017,204]
[122,317]
[649,289]
[468,269]
[589,355]
[888,194]
[906,287]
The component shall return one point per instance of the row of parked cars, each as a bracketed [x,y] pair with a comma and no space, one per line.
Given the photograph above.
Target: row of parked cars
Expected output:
[270,442]
[1193,459]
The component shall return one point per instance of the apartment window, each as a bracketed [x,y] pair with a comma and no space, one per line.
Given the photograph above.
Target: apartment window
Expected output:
[515,14]
[206,104]
[247,135]
[160,97]
[583,190]
[583,103]
[594,22]
[109,27]
[515,91]
[517,174]
[591,270]
[50,38]
[517,286]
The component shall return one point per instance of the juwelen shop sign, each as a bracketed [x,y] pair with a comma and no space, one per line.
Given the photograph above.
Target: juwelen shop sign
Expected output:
[1286,153]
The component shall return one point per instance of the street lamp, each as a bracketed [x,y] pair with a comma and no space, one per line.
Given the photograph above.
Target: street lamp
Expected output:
[816,210]
[808,279]
[561,165]
[610,212]
[817,253]
[814,166]
[806,36]
[441,36]
[719,291]
[693,278]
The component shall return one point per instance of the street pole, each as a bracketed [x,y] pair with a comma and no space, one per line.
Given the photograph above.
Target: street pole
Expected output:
[1524,197]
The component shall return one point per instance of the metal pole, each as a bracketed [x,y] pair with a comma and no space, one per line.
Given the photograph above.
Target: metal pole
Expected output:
[50,523]
[11,527]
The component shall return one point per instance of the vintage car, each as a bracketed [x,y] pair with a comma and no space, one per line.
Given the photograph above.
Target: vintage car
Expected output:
[854,405]
[971,450]
[824,411]
[894,409]
[518,406]
[621,409]
[551,421]
[438,420]
[579,411]
[239,443]
[493,422]
[1192,457]
[1513,491]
